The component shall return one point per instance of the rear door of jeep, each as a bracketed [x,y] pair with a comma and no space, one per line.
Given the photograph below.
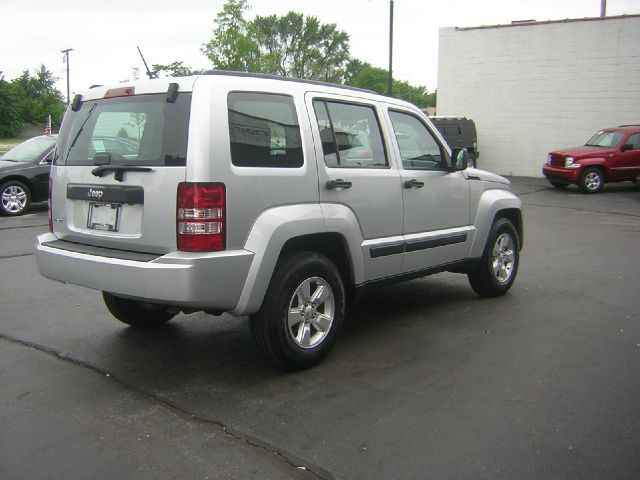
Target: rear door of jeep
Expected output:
[118,162]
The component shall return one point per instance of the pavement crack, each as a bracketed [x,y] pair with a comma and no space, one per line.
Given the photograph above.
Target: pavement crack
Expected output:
[531,192]
[288,458]
[22,227]
[17,255]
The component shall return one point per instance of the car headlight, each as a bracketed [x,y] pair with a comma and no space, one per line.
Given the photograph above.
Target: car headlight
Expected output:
[549,159]
[569,163]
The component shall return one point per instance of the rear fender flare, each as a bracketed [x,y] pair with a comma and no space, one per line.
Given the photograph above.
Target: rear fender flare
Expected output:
[271,231]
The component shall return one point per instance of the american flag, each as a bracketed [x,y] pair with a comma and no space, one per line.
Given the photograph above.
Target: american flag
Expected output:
[47,126]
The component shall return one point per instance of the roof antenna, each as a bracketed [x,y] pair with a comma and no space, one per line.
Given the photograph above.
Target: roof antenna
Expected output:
[145,64]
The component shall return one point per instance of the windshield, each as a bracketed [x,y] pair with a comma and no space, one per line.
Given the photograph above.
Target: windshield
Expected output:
[605,139]
[30,150]
[142,130]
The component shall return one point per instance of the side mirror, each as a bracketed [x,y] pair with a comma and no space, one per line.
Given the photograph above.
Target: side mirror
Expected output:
[459,159]
[626,147]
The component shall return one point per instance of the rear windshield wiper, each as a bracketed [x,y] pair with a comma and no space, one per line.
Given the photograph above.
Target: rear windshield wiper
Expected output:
[118,170]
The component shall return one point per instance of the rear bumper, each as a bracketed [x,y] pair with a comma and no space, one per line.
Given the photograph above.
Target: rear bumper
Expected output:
[564,175]
[194,280]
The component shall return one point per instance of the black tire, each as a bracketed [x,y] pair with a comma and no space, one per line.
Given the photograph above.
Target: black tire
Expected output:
[591,180]
[558,185]
[137,314]
[15,198]
[501,253]
[299,345]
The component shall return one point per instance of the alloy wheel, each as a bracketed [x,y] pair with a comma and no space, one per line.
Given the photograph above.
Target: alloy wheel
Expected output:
[311,312]
[14,199]
[592,181]
[503,257]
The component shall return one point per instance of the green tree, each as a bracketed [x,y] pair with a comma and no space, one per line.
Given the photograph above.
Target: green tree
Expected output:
[10,120]
[29,99]
[231,47]
[173,69]
[292,45]
[300,47]
[418,95]
[296,46]
[39,97]
[364,75]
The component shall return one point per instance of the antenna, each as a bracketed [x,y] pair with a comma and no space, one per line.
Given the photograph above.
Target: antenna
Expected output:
[145,64]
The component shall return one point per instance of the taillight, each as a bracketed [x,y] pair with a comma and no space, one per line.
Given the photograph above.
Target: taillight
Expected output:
[49,203]
[200,217]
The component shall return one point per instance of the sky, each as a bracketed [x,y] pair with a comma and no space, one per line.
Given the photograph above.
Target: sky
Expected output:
[104,35]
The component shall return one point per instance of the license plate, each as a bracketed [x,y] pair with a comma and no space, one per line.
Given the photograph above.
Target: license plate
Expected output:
[104,216]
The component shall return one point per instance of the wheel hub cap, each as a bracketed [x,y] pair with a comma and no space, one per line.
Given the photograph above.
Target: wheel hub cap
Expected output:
[14,199]
[503,258]
[311,312]
[593,181]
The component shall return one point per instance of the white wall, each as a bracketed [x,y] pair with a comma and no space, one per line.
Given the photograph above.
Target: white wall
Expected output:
[538,87]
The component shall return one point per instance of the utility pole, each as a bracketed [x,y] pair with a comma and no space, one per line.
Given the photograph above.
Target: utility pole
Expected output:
[65,59]
[390,80]
[603,8]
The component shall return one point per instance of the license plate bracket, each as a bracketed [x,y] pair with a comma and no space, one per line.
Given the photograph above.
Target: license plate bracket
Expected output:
[103,216]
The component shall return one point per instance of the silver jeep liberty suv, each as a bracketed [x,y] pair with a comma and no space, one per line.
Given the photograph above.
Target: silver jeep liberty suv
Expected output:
[267,197]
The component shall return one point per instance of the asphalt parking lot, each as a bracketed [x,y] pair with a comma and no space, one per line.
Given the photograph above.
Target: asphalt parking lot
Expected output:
[428,380]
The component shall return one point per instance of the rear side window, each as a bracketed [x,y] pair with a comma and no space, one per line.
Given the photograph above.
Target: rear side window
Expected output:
[634,141]
[264,131]
[138,130]
[350,135]
[452,131]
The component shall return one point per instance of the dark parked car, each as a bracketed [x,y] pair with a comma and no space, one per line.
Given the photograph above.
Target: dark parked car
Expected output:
[459,132]
[611,155]
[24,174]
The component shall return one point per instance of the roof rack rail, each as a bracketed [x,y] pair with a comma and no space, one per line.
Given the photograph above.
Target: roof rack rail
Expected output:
[632,125]
[286,79]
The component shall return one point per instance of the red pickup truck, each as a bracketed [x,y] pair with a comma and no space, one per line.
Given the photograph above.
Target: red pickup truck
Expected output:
[611,155]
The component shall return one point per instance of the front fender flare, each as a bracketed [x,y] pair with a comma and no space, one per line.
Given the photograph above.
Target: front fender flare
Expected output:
[490,204]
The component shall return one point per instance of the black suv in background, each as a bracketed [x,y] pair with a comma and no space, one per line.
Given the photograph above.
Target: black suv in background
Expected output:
[459,132]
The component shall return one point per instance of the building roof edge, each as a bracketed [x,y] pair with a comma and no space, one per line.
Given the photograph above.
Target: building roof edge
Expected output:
[528,23]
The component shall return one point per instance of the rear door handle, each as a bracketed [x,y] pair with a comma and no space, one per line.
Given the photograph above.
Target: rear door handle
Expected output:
[413,183]
[339,183]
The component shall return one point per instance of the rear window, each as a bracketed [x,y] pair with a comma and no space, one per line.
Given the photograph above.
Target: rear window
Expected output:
[264,131]
[138,130]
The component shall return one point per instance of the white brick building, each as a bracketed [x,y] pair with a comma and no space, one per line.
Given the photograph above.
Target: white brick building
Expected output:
[539,86]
